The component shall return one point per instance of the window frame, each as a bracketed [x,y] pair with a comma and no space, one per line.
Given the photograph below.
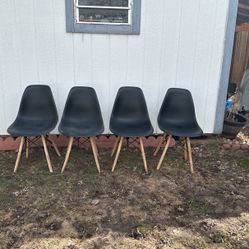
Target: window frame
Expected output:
[73,25]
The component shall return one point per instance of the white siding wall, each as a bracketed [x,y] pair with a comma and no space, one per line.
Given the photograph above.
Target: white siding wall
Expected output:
[181,44]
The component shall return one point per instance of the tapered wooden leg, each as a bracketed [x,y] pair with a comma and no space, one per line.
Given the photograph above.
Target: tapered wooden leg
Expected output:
[143,155]
[160,144]
[19,154]
[69,148]
[164,152]
[27,147]
[47,154]
[118,152]
[54,146]
[190,156]
[96,147]
[185,149]
[115,146]
[95,152]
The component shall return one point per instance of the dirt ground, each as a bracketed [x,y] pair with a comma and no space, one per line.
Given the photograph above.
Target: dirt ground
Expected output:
[126,209]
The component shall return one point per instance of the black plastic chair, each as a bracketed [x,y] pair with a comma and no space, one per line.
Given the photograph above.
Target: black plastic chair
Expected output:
[81,118]
[130,118]
[37,117]
[177,118]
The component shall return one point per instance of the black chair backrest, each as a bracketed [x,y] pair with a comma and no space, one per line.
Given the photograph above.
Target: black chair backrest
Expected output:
[37,103]
[82,105]
[178,106]
[130,104]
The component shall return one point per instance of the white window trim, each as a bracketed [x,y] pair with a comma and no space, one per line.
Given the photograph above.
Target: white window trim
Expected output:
[131,28]
[77,7]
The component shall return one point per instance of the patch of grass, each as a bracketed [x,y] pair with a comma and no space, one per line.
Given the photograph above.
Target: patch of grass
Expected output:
[243,163]
[145,206]
[197,206]
[143,229]
[3,243]
[196,243]
[6,200]
[247,231]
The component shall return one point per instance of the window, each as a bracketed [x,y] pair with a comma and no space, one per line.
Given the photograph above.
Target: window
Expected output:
[103,16]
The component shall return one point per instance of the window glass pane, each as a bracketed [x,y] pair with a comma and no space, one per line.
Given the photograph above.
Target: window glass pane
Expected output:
[103,15]
[115,3]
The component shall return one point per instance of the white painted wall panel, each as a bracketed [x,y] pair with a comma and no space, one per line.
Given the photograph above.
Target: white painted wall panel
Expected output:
[65,66]
[170,44]
[215,63]
[203,56]
[181,44]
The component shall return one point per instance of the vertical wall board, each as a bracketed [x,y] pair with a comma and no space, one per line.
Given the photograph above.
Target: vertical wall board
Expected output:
[64,50]
[226,65]
[152,35]
[26,44]
[118,65]
[187,44]
[2,98]
[11,77]
[135,60]
[101,72]
[216,64]
[203,55]
[6,9]
[4,21]
[45,43]
[170,40]
[82,50]
[136,52]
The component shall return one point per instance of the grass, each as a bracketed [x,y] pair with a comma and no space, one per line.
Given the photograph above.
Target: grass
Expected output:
[127,199]
[244,163]
[3,244]
[6,201]
[197,206]
[143,229]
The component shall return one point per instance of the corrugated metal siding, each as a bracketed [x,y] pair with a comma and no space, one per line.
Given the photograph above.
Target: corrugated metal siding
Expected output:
[181,44]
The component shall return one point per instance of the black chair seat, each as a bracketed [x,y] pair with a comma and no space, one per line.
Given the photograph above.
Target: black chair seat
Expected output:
[33,128]
[37,114]
[177,114]
[136,129]
[130,116]
[181,129]
[82,115]
[78,130]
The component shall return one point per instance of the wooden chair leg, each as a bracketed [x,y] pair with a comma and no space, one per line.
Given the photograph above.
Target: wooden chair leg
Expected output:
[19,154]
[164,152]
[160,144]
[54,146]
[118,152]
[143,155]
[115,146]
[27,147]
[96,147]
[190,156]
[69,148]
[95,152]
[47,154]
[185,149]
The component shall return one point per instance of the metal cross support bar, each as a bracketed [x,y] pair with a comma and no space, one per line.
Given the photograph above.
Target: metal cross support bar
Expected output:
[80,142]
